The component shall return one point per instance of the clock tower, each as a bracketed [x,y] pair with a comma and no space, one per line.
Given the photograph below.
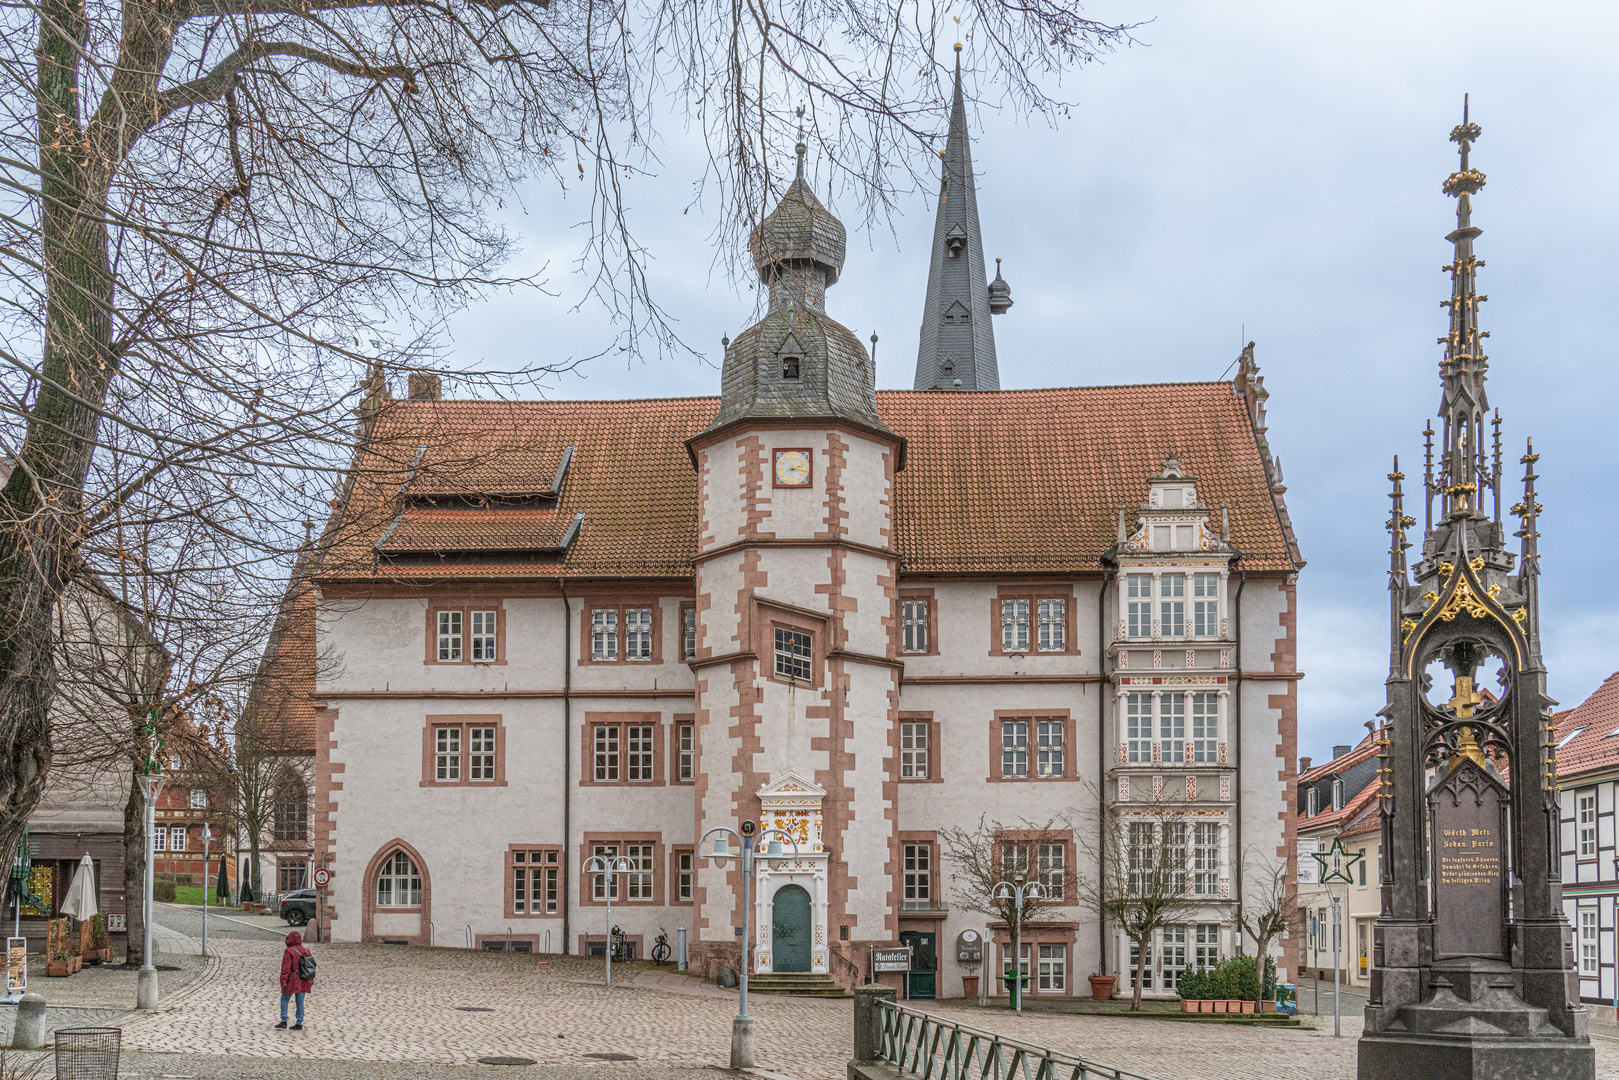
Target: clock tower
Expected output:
[797,681]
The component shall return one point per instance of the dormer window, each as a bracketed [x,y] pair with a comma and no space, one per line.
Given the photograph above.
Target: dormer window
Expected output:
[1312,802]
[1337,793]
[789,367]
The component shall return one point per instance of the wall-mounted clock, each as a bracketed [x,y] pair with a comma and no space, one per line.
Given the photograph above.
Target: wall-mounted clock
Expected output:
[792,468]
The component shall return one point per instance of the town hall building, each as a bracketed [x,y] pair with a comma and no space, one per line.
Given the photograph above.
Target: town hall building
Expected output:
[551,630]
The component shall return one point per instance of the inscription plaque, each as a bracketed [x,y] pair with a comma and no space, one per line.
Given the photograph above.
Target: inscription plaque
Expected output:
[1469,859]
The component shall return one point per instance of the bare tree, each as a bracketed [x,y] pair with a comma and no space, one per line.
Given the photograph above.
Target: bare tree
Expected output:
[992,852]
[1269,907]
[1150,887]
[209,206]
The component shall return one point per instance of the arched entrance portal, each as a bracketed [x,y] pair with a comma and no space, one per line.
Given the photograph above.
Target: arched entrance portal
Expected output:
[790,911]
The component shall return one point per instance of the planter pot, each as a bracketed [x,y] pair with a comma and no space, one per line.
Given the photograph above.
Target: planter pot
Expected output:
[1219,1004]
[1267,1006]
[1189,1005]
[1205,1005]
[1102,986]
[969,986]
[77,962]
[58,969]
[1247,1006]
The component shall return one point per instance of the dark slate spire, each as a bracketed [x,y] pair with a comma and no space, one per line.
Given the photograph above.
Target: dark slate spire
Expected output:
[797,361]
[958,342]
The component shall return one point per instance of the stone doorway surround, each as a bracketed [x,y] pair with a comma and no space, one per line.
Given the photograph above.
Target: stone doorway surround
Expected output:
[793,805]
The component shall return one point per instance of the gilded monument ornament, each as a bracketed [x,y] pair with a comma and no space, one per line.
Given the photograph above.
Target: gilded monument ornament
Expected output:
[1463,600]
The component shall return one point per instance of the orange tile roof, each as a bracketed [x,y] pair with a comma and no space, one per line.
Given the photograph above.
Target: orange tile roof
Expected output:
[1596,747]
[1004,482]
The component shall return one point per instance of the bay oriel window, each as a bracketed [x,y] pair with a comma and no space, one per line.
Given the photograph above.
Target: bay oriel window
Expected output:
[1171,605]
[1171,727]
[1173,858]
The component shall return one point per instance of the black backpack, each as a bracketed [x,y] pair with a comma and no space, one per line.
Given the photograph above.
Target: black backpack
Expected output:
[306,966]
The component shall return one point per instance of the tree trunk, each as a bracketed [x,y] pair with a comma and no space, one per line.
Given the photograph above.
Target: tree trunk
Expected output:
[135,870]
[41,504]
[1141,974]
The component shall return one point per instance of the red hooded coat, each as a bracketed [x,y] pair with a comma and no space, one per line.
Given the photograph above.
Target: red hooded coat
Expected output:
[291,981]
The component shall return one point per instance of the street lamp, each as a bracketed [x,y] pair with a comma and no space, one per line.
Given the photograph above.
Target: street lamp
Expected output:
[720,851]
[1018,891]
[612,866]
[206,836]
[146,979]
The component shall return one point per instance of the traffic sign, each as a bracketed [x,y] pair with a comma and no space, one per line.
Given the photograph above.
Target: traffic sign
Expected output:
[322,876]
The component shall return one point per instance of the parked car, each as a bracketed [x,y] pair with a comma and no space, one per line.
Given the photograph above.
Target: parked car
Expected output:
[297,908]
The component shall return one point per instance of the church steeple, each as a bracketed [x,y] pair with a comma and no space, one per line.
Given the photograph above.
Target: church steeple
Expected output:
[958,342]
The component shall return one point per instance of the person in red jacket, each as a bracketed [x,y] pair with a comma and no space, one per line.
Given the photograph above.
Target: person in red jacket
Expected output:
[293,984]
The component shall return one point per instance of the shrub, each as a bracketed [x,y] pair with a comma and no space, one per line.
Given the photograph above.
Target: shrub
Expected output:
[1195,985]
[163,890]
[98,931]
[1236,979]
[1268,987]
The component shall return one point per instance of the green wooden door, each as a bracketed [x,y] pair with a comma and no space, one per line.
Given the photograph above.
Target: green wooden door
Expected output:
[920,981]
[790,911]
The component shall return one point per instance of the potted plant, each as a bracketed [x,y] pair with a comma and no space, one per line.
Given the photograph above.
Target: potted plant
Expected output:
[100,947]
[1193,989]
[60,964]
[1102,985]
[969,986]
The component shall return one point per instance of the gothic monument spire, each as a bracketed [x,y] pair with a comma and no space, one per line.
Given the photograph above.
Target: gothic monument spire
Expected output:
[1471,977]
[958,342]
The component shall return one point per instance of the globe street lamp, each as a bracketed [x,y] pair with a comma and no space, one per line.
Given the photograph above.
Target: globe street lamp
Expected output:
[742,1026]
[146,979]
[1019,892]
[206,836]
[611,866]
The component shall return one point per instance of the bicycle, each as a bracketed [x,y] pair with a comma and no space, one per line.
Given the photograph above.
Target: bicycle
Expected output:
[660,947]
[621,946]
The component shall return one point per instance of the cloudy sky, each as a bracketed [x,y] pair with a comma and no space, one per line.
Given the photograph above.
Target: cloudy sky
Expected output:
[1262,169]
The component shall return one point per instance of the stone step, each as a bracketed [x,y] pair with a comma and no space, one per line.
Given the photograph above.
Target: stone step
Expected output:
[796,984]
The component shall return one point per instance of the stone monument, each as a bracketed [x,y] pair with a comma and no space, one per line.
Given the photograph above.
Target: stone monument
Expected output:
[1472,963]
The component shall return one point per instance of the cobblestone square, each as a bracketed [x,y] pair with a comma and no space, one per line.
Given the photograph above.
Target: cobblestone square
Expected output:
[451,1007]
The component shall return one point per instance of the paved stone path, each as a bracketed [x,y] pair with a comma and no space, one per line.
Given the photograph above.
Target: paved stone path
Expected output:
[401,1005]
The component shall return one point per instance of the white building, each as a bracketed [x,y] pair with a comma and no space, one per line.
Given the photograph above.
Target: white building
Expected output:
[1588,772]
[559,629]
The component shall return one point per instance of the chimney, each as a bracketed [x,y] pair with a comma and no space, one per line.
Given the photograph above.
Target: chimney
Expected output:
[424,386]
[1337,751]
[1304,764]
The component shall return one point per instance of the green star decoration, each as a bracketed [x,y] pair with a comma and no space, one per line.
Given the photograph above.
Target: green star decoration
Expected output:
[1336,863]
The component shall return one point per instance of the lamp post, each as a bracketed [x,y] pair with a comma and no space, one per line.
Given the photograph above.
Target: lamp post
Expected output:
[612,866]
[146,979]
[720,851]
[206,836]
[1018,891]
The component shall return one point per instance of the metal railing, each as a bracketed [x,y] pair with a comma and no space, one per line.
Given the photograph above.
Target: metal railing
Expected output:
[934,1048]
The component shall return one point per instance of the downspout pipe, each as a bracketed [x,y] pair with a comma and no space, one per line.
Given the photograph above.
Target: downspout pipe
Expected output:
[567,757]
[1236,735]
[1109,568]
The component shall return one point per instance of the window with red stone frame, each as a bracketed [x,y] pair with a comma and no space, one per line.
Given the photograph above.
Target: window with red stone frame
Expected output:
[466,750]
[619,631]
[643,885]
[785,656]
[918,623]
[682,874]
[918,748]
[622,748]
[1032,746]
[683,749]
[1046,855]
[1033,621]
[466,632]
[536,880]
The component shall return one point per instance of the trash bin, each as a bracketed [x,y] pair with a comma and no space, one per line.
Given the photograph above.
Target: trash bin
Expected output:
[1012,988]
[89,1053]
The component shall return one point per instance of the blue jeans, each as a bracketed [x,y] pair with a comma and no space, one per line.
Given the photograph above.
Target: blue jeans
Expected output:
[284,998]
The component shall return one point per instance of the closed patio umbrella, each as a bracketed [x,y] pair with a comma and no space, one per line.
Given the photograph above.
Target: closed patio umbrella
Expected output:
[222,887]
[81,895]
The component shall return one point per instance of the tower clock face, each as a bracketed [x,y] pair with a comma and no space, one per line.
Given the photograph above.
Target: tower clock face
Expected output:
[792,468]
